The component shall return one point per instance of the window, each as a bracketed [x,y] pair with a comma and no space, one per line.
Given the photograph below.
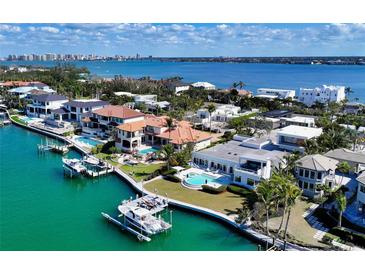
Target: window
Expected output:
[305,185]
[230,169]
[301,171]
[306,173]
[319,175]
[300,183]
[362,188]
[250,182]
[311,186]
[313,174]
[238,179]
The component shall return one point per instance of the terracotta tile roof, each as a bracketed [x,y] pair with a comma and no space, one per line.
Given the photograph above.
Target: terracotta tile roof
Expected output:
[185,134]
[155,121]
[133,126]
[118,112]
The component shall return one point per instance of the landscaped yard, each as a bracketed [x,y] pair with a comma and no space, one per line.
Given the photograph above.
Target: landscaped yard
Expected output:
[298,226]
[225,202]
[140,171]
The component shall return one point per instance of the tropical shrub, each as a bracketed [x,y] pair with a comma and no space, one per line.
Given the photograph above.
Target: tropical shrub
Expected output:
[173,178]
[349,235]
[210,189]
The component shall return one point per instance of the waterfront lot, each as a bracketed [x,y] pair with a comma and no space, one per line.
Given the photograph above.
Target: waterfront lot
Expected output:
[225,202]
[298,227]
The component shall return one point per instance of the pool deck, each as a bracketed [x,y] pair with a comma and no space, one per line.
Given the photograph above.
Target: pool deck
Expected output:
[138,187]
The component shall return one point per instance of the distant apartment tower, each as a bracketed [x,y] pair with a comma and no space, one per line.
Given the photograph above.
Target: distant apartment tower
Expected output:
[324,94]
[277,93]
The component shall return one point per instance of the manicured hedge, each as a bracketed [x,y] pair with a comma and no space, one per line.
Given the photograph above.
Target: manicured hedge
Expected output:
[172,178]
[168,172]
[349,236]
[210,189]
[237,189]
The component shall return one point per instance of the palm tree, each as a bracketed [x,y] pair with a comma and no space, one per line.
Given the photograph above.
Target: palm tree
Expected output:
[241,84]
[211,108]
[267,194]
[169,123]
[168,153]
[341,205]
[293,193]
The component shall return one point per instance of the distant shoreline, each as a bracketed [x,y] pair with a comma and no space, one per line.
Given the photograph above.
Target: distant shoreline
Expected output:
[307,60]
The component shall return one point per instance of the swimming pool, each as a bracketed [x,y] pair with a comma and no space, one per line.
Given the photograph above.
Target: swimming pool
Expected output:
[195,180]
[88,141]
[148,150]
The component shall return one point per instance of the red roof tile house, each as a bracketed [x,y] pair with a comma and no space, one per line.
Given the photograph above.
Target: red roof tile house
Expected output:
[103,122]
[153,131]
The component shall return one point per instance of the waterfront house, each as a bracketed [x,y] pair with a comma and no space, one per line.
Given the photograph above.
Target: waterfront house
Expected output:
[360,197]
[247,160]
[324,94]
[313,171]
[203,85]
[102,122]
[275,93]
[42,105]
[355,159]
[76,108]
[153,131]
[292,137]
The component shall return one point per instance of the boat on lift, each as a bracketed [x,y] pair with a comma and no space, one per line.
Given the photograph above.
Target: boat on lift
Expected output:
[73,166]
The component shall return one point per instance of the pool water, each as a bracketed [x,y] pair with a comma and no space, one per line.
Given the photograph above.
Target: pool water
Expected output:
[200,179]
[148,150]
[88,141]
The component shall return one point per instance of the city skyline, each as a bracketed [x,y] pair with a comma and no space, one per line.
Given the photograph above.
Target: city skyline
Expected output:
[184,40]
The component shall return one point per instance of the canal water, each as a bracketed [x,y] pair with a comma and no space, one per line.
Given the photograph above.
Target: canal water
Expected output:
[40,209]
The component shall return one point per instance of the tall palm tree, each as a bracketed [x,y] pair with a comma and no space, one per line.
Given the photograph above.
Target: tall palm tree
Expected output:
[341,203]
[170,124]
[168,153]
[293,193]
[267,195]
[211,108]
[241,84]
[283,182]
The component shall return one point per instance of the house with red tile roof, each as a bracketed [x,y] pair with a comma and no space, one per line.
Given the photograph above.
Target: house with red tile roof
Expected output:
[103,122]
[153,131]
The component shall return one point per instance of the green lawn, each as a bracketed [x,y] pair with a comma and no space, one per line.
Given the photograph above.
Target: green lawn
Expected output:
[225,202]
[140,171]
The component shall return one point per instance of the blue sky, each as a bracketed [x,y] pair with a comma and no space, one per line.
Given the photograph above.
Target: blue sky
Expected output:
[184,39]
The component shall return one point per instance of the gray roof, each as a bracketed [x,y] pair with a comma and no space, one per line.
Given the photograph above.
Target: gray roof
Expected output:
[343,154]
[233,150]
[59,111]
[49,97]
[317,162]
[85,104]
[361,177]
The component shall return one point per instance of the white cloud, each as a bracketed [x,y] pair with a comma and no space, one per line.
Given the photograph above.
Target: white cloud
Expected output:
[9,28]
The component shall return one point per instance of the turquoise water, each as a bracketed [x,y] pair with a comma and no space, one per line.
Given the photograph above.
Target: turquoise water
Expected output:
[148,150]
[88,141]
[40,209]
[199,179]
[224,74]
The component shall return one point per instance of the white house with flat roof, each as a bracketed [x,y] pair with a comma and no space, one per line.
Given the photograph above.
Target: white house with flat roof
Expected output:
[292,137]
[223,113]
[313,171]
[247,159]
[275,93]
[324,94]
[302,121]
